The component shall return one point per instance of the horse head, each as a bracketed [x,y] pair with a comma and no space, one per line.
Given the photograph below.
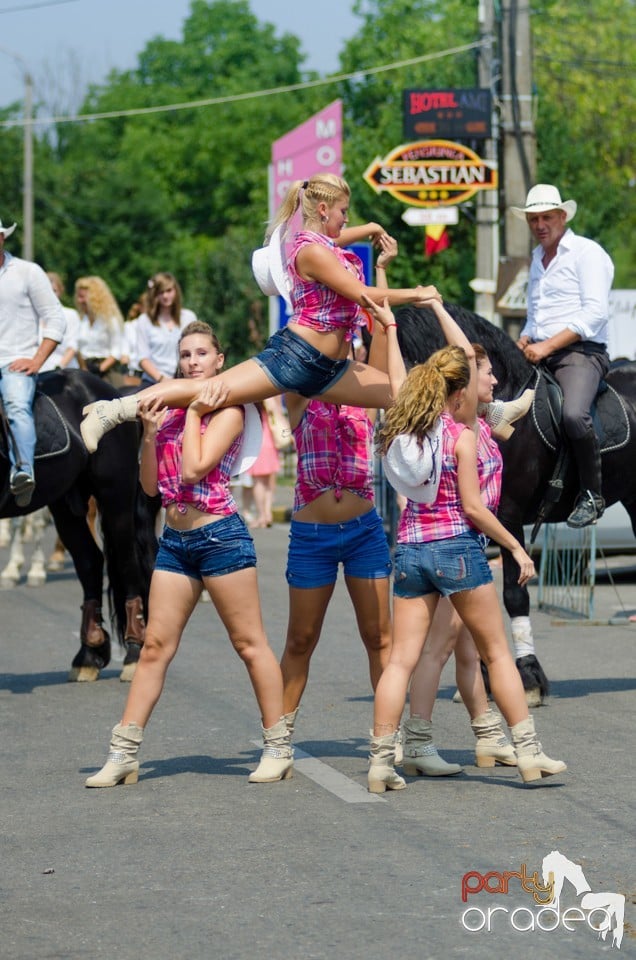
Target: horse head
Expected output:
[420,335]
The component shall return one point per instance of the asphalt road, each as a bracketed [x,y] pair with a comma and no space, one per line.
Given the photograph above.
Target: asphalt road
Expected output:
[194,863]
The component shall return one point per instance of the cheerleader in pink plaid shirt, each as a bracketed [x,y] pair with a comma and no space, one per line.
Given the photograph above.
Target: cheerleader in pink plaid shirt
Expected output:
[441,544]
[310,356]
[188,458]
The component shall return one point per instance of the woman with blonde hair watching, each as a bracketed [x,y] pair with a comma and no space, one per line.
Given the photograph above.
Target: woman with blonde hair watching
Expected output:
[100,329]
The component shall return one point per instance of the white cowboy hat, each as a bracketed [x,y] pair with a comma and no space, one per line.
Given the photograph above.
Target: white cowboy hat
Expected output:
[414,470]
[250,442]
[7,231]
[268,267]
[545,197]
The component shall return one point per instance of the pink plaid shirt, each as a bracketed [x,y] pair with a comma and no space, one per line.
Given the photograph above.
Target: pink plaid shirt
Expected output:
[421,522]
[212,493]
[334,452]
[316,305]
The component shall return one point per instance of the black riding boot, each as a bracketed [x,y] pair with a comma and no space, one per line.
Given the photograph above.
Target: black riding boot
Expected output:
[589,505]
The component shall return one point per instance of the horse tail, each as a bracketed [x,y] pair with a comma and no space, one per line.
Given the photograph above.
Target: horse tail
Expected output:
[136,580]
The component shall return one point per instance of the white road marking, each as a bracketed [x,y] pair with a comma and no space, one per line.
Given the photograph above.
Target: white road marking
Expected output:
[328,778]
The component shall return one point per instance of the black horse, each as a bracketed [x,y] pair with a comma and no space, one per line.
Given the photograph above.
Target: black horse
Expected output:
[66,477]
[529,463]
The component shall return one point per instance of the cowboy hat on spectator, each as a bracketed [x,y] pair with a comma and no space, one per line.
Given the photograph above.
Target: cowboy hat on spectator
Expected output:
[542,198]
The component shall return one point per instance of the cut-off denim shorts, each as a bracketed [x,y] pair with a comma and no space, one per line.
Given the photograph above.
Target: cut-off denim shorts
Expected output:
[317,549]
[293,364]
[223,546]
[441,566]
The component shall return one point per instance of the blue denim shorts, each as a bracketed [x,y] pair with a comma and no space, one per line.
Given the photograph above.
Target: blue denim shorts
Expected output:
[317,549]
[223,546]
[293,364]
[441,566]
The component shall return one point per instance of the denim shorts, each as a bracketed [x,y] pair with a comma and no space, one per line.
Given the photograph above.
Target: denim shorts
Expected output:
[441,566]
[293,364]
[317,549]
[223,546]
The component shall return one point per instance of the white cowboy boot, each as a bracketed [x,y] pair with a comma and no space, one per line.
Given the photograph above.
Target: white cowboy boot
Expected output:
[277,760]
[492,744]
[532,761]
[500,414]
[420,753]
[382,775]
[122,764]
[103,415]
[290,721]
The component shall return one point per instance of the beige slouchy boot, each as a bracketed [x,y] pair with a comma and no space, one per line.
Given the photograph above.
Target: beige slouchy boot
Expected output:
[103,415]
[532,762]
[500,414]
[492,744]
[277,760]
[420,753]
[290,721]
[122,763]
[382,775]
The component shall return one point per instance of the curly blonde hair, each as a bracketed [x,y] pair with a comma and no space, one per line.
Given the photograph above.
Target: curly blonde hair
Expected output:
[423,396]
[307,194]
[100,302]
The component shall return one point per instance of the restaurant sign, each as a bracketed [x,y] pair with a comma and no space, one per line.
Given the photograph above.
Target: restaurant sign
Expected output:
[431,173]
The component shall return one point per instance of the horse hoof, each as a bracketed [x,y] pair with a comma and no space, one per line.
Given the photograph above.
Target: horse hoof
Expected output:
[36,580]
[128,672]
[534,698]
[8,583]
[83,674]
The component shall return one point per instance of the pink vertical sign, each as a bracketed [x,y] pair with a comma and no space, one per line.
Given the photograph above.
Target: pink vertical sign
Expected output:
[313,147]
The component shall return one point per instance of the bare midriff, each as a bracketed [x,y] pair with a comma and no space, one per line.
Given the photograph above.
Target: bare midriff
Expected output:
[329,508]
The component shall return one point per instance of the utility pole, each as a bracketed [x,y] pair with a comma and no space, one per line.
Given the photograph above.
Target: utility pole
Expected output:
[487,203]
[27,175]
[517,122]
[27,187]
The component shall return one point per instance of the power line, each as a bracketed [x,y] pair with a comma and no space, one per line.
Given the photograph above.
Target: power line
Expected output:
[35,6]
[253,95]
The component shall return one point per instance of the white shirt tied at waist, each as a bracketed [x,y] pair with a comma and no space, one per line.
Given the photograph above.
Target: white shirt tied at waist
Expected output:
[573,292]
[29,309]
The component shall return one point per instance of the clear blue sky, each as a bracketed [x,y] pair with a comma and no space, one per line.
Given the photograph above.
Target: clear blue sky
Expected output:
[79,41]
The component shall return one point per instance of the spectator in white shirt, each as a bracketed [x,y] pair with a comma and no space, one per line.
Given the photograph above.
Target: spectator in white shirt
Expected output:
[100,330]
[31,326]
[566,329]
[159,329]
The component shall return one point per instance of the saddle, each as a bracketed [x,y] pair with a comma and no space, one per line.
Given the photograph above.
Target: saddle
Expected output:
[53,437]
[610,420]
[609,415]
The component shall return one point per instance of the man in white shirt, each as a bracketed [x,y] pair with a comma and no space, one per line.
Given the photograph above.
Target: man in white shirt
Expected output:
[566,328]
[28,306]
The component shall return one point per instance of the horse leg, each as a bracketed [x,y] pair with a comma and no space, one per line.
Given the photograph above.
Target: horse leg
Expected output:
[94,652]
[517,604]
[5,531]
[10,576]
[134,636]
[36,576]
[124,571]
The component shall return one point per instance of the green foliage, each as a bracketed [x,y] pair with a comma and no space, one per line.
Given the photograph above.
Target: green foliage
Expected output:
[586,88]
[186,190]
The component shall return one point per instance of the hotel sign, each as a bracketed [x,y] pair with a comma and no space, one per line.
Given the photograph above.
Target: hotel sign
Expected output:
[431,173]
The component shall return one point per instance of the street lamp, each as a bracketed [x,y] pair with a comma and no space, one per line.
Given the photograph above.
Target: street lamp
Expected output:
[27,185]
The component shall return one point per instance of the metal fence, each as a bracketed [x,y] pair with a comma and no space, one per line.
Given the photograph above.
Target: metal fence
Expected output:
[567,572]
